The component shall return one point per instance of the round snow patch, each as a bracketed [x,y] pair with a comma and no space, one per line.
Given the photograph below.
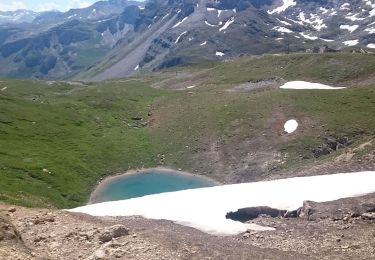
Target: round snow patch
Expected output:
[290,126]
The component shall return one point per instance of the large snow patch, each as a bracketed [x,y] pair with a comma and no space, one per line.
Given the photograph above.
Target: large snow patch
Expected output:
[205,208]
[306,85]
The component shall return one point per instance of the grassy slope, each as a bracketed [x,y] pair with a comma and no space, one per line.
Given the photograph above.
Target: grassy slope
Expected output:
[82,133]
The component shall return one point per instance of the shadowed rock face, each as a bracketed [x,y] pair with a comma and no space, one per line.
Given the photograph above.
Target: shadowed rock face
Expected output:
[247,214]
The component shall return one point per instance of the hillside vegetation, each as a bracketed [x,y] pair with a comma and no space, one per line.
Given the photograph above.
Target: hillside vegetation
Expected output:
[223,120]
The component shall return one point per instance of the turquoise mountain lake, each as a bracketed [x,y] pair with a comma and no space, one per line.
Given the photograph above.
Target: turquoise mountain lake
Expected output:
[146,183]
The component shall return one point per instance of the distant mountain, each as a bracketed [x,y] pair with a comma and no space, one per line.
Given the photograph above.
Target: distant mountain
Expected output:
[97,11]
[118,38]
[181,32]
[19,16]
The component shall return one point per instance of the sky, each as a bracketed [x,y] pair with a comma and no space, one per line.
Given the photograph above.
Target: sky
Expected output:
[44,5]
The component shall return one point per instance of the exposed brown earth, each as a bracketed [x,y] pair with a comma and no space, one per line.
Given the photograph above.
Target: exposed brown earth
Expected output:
[343,229]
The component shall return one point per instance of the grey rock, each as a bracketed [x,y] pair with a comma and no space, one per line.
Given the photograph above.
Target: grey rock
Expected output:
[368,215]
[113,232]
[99,254]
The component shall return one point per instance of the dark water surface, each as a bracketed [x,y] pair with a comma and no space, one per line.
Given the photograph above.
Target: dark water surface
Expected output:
[146,183]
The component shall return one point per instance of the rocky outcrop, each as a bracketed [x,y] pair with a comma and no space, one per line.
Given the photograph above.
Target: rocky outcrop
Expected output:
[8,231]
[246,214]
[312,211]
[331,144]
[113,232]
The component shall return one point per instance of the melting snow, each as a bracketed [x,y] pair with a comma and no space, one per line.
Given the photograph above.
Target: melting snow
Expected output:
[137,67]
[351,42]
[370,30]
[4,88]
[371,45]
[282,29]
[193,86]
[178,38]
[370,4]
[354,18]
[350,28]
[308,36]
[326,40]
[180,22]
[372,11]
[283,22]
[203,43]
[226,25]
[314,20]
[165,16]
[211,9]
[290,126]
[212,25]
[323,10]
[345,6]
[218,53]
[286,5]
[205,208]
[306,85]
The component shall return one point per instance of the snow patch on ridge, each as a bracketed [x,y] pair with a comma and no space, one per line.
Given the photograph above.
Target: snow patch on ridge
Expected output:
[179,37]
[370,30]
[226,25]
[306,85]
[308,36]
[284,22]
[350,28]
[282,29]
[286,5]
[207,23]
[351,42]
[315,21]
[180,22]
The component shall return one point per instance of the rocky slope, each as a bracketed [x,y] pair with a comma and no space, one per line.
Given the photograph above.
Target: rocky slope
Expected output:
[342,229]
[168,33]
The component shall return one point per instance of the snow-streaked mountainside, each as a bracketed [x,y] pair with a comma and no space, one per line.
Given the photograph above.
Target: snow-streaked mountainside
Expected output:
[93,45]
[19,16]
[206,208]
[99,10]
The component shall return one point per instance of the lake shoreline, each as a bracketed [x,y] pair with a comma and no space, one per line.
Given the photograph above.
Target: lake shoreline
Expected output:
[112,178]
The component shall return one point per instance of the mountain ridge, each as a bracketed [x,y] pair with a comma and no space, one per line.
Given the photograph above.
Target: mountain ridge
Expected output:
[203,30]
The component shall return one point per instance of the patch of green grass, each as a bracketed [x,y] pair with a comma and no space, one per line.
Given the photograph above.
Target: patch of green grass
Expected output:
[57,145]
